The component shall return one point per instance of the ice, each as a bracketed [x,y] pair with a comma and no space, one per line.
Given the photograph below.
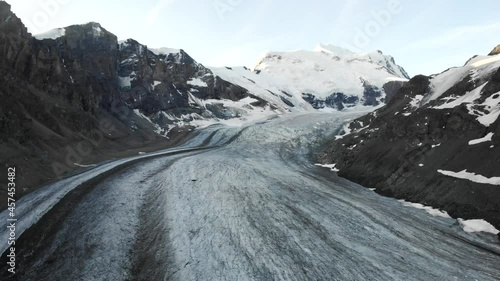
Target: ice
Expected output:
[156,83]
[124,82]
[469,97]
[248,207]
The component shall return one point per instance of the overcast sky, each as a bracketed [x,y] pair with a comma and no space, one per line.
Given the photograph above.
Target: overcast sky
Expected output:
[424,36]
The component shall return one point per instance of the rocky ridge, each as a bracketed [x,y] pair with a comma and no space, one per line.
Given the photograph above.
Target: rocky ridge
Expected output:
[437,142]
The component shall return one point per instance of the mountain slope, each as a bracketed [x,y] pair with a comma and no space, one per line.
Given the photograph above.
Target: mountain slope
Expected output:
[436,142]
[327,77]
[74,97]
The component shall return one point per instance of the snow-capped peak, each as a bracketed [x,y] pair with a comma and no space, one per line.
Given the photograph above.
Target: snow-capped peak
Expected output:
[327,76]
[93,28]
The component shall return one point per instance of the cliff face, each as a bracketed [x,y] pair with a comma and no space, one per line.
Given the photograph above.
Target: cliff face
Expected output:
[416,146]
[169,82]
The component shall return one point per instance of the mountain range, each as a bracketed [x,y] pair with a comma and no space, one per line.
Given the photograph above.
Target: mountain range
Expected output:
[437,142]
[76,95]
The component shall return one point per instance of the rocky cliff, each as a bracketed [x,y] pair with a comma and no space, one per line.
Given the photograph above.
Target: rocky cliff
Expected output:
[436,142]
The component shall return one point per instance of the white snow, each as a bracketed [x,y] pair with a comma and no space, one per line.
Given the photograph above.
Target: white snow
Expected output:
[472,177]
[329,166]
[476,68]
[260,85]
[486,138]
[156,83]
[51,34]
[477,225]
[97,31]
[415,102]
[432,211]
[492,104]
[347,131]
[197,82]
[322,72]
[469,97]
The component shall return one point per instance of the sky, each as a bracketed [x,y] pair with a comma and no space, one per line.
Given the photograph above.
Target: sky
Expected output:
[425,37]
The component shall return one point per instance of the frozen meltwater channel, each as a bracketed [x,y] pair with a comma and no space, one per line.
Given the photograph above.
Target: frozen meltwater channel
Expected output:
[254,207]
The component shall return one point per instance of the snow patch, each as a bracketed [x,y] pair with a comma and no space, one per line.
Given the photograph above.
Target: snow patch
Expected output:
[492,104]
[51,34]
[329,166]
[487,138]
[476,68]
[197,82]
[433,212]
[477,225]
[472,177]
[469,97]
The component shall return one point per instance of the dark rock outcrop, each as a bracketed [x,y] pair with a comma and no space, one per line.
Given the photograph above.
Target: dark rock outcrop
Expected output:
[399,149]
[495,51]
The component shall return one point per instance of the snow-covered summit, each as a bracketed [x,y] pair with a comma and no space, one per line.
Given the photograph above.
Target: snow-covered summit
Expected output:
[327,76]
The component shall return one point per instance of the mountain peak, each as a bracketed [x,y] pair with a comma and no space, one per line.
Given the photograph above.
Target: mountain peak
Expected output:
[495,51]
[94,29]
